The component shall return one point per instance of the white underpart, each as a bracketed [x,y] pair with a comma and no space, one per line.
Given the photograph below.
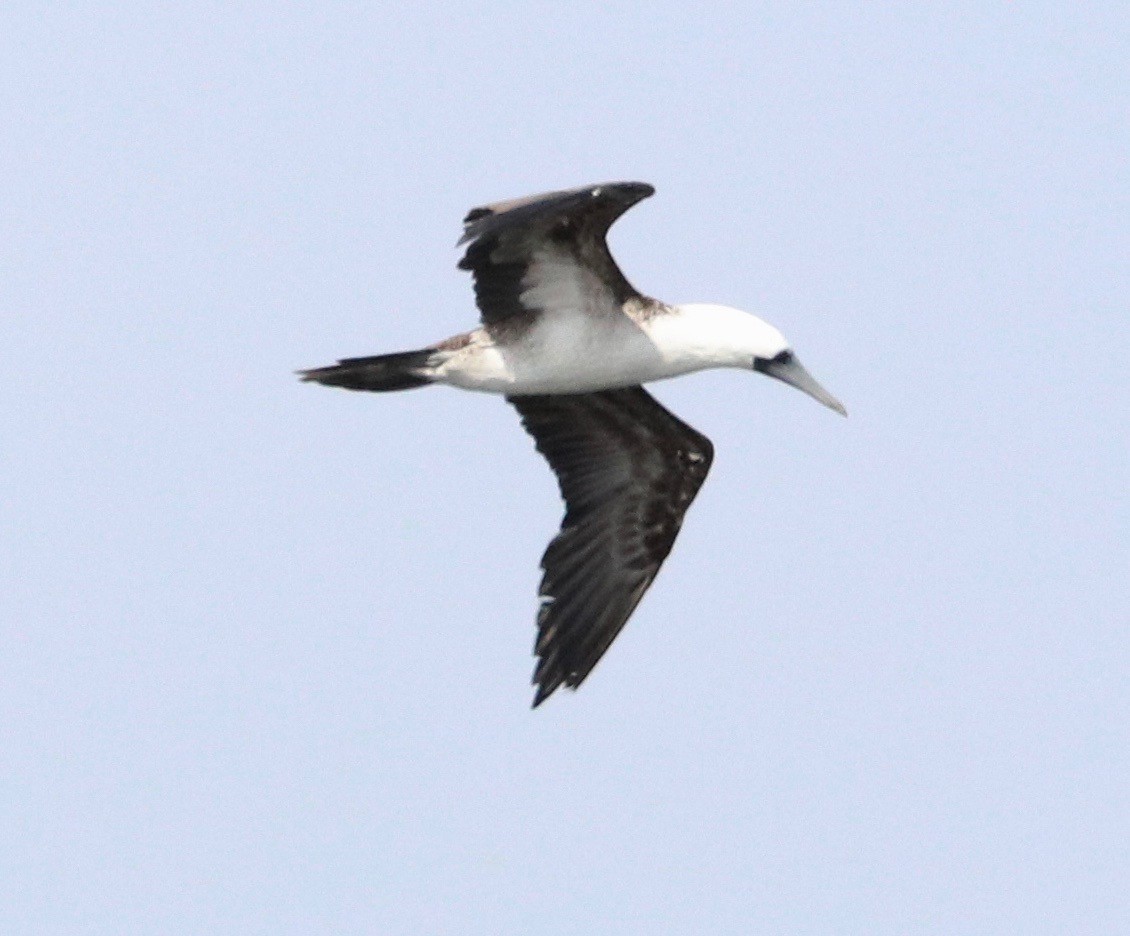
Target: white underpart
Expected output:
[580,352]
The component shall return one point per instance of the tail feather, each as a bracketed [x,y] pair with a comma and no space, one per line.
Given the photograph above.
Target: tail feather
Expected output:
[401,371]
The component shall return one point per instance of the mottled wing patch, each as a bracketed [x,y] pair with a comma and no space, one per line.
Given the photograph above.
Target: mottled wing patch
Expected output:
[548,252]
[628,470]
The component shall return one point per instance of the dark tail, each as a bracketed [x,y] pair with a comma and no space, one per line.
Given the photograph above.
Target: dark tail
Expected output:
[401,371]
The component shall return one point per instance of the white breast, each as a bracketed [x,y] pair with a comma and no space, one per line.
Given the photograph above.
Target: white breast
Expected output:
[584,353]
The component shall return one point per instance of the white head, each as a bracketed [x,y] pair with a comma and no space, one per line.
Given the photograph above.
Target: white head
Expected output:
[744,340]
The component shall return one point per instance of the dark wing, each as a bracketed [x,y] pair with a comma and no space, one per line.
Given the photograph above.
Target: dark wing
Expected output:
[628,471]
[548,252]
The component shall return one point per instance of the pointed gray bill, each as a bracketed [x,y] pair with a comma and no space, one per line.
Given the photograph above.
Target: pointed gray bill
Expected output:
[785,367]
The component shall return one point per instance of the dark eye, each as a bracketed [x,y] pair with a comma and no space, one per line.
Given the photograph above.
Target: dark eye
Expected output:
[783,359]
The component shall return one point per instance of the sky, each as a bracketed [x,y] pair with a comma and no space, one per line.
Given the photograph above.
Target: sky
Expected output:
[267,646]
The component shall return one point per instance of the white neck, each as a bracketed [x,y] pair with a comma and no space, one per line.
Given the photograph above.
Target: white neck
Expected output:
[702,335]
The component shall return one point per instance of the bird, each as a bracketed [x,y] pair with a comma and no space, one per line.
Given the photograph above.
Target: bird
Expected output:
[569,343]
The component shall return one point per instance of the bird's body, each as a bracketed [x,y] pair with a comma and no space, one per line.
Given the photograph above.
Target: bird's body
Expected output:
[569,342]
[583,353]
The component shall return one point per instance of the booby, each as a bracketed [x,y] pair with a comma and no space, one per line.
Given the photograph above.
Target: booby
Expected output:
[568,341]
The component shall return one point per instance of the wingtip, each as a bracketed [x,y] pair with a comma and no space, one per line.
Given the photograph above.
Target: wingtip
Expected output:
[545,688]
[630,192]
[479,220]
[546,683]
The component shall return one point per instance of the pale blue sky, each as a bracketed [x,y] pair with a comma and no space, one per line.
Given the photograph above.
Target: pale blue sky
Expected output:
[267,646]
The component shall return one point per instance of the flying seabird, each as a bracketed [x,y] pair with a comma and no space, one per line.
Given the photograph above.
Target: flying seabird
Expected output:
[569,341]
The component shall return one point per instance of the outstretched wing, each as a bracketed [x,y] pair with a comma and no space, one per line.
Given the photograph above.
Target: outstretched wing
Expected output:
[628,470]
[548,253]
